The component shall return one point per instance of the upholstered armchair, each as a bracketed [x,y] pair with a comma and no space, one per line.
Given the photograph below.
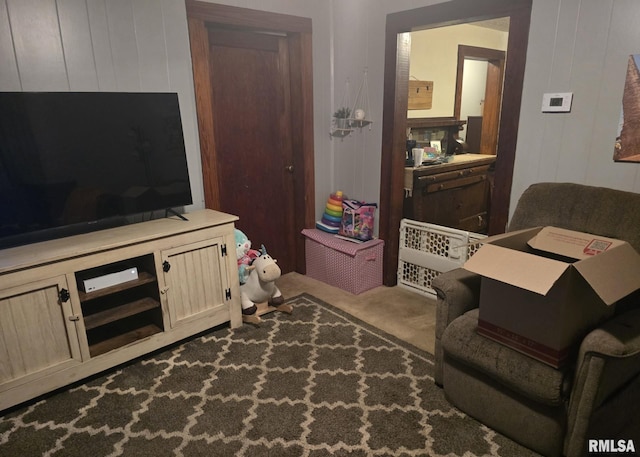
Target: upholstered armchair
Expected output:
[551,411]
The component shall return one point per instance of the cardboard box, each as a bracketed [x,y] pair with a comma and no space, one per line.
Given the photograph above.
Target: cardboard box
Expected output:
[354,267]
[543,289]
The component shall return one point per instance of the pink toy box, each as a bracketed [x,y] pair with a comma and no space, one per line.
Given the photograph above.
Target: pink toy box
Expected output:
[354,267]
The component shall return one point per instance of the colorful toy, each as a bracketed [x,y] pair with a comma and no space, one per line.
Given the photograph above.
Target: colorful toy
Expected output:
[245,256]
[358,220]
[332,216]
[260,286]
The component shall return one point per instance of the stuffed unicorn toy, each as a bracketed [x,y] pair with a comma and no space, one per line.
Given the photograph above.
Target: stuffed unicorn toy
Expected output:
[260,286]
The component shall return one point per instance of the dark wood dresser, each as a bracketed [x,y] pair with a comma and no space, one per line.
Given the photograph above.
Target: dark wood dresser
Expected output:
[454,194]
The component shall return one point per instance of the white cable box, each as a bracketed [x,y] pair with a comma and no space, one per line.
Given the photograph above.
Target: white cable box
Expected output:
[108,280]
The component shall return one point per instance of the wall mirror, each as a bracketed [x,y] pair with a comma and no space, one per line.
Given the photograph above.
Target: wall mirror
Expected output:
[466,63]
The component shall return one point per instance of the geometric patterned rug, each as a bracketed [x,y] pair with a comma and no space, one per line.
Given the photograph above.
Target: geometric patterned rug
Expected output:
[317,382]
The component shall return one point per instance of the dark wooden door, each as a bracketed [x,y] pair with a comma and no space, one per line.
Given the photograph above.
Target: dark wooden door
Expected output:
[250,90]
[250,165]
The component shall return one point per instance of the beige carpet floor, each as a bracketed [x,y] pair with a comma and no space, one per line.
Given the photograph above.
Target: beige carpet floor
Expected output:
[405,314]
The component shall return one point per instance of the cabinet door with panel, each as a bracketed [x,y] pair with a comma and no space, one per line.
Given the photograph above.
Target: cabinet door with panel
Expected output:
[457,198]
[38,332]
[461,205]
[195,280]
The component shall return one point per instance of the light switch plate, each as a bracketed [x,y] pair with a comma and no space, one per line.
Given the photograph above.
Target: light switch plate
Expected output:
[557,102]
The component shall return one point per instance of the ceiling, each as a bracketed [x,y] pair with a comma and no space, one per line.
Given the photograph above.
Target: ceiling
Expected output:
[501,24]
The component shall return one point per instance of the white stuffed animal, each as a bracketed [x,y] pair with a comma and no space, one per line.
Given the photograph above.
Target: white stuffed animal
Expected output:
[260,286]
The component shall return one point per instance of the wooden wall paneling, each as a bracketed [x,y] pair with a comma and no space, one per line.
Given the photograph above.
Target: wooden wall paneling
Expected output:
[176,37]
[122,36]
[100,42]
[199,39]
[9,77]
[395,102]
[589,54]
[302,140]
[150,40]
[180,74]
[510,117]
[37,44]
[76,43]
[560,81]
[623,36]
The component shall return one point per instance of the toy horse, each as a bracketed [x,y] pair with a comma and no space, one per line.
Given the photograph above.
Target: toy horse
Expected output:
[260,286]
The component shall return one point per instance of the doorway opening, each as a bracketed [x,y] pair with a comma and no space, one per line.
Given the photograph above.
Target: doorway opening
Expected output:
[395,102]
[482,111]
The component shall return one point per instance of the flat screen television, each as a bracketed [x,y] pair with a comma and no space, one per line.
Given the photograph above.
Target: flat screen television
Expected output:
[72,162]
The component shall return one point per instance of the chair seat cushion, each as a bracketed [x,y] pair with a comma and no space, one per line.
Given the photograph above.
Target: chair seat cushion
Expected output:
[512,369]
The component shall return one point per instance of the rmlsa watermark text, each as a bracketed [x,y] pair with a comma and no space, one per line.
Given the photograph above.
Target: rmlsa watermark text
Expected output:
[611,446]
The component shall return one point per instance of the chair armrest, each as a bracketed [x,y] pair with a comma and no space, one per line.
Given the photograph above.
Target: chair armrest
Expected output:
[457,291]
[617,337]
[607,381]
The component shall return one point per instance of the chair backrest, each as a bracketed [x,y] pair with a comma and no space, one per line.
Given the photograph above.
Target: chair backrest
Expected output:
[598,210]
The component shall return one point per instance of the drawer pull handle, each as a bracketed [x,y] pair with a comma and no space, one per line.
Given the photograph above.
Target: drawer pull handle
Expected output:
[64,295]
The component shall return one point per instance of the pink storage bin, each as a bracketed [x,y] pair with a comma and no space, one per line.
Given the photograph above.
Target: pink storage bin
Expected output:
[354,267]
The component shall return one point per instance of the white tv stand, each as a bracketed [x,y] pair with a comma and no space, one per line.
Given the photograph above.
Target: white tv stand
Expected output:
[52,333]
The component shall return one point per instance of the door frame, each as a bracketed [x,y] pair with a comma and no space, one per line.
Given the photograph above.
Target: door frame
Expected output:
[202,15]
[395,99]
[495,60]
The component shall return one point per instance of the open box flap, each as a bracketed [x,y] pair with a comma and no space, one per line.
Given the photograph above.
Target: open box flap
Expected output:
[512,240]
[613,274]
[572,244]
[520,269]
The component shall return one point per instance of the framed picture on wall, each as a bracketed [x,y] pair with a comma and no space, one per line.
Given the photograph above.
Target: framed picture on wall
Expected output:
[627,146]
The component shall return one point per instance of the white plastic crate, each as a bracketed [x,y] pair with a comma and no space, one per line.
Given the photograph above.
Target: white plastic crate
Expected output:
[426,250]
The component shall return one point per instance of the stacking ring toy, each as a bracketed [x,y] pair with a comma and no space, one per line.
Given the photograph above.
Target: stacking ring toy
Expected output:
[333,213]
[331,218]
[330,223]
[334,207]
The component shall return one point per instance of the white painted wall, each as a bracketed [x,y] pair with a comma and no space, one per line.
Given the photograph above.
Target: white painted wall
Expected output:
[578,46]
[434,57]
[575,45]
[474,85]
[97,45]
[137,45]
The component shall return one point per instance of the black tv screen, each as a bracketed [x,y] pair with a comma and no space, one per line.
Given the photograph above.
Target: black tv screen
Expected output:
[72,161]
